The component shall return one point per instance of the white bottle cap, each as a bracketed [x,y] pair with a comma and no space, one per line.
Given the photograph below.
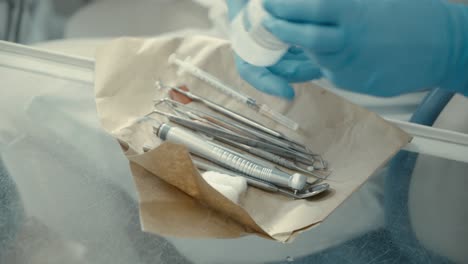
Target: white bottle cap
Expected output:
[256,46]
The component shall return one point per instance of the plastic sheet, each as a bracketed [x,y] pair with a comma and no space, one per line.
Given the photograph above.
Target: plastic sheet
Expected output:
[66,194]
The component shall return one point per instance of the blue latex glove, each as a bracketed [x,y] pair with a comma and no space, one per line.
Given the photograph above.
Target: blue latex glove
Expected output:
[379,47]
[294,67]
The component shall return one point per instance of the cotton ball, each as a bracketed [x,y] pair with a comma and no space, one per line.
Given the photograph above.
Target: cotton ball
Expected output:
[227,191]
[231,187]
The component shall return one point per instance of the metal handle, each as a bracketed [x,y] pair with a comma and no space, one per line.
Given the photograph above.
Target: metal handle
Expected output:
[251,181]
[273,158]
[223,134]
[229,158]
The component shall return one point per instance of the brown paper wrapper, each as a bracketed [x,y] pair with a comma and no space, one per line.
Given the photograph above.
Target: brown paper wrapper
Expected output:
[174,199]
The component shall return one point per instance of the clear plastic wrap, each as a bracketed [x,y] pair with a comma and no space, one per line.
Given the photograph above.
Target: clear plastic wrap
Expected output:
[67,196]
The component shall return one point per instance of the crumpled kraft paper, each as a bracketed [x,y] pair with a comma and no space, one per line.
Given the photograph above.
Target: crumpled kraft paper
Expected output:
[174,199]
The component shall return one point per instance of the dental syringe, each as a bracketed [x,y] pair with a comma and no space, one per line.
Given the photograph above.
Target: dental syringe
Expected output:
[185,66]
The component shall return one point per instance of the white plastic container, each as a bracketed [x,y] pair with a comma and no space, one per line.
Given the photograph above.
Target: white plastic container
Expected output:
[251,41]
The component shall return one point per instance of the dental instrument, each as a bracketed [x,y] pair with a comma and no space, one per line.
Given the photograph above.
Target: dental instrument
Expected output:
[228,132]
[281,141]
[183,90]
[227,112]
[224,134]
[231,126]
[309,191]
[251,181]
[263,109]
[229,158]
[273,158]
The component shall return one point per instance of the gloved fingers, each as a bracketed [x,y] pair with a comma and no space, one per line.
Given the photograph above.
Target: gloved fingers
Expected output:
[295,53]
[296,70]
[317,38]
[316,11]
[294,50]
[264,80]
[330,61]
[234,6]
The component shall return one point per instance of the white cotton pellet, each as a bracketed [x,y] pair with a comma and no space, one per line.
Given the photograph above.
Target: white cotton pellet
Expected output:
[227,191]
[230,186]
[237,182]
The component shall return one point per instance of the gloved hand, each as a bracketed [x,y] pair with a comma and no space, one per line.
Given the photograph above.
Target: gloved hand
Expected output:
[295,66]
[379,47]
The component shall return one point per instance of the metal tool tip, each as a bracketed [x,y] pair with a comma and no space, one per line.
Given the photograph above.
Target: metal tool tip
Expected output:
[297,181]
